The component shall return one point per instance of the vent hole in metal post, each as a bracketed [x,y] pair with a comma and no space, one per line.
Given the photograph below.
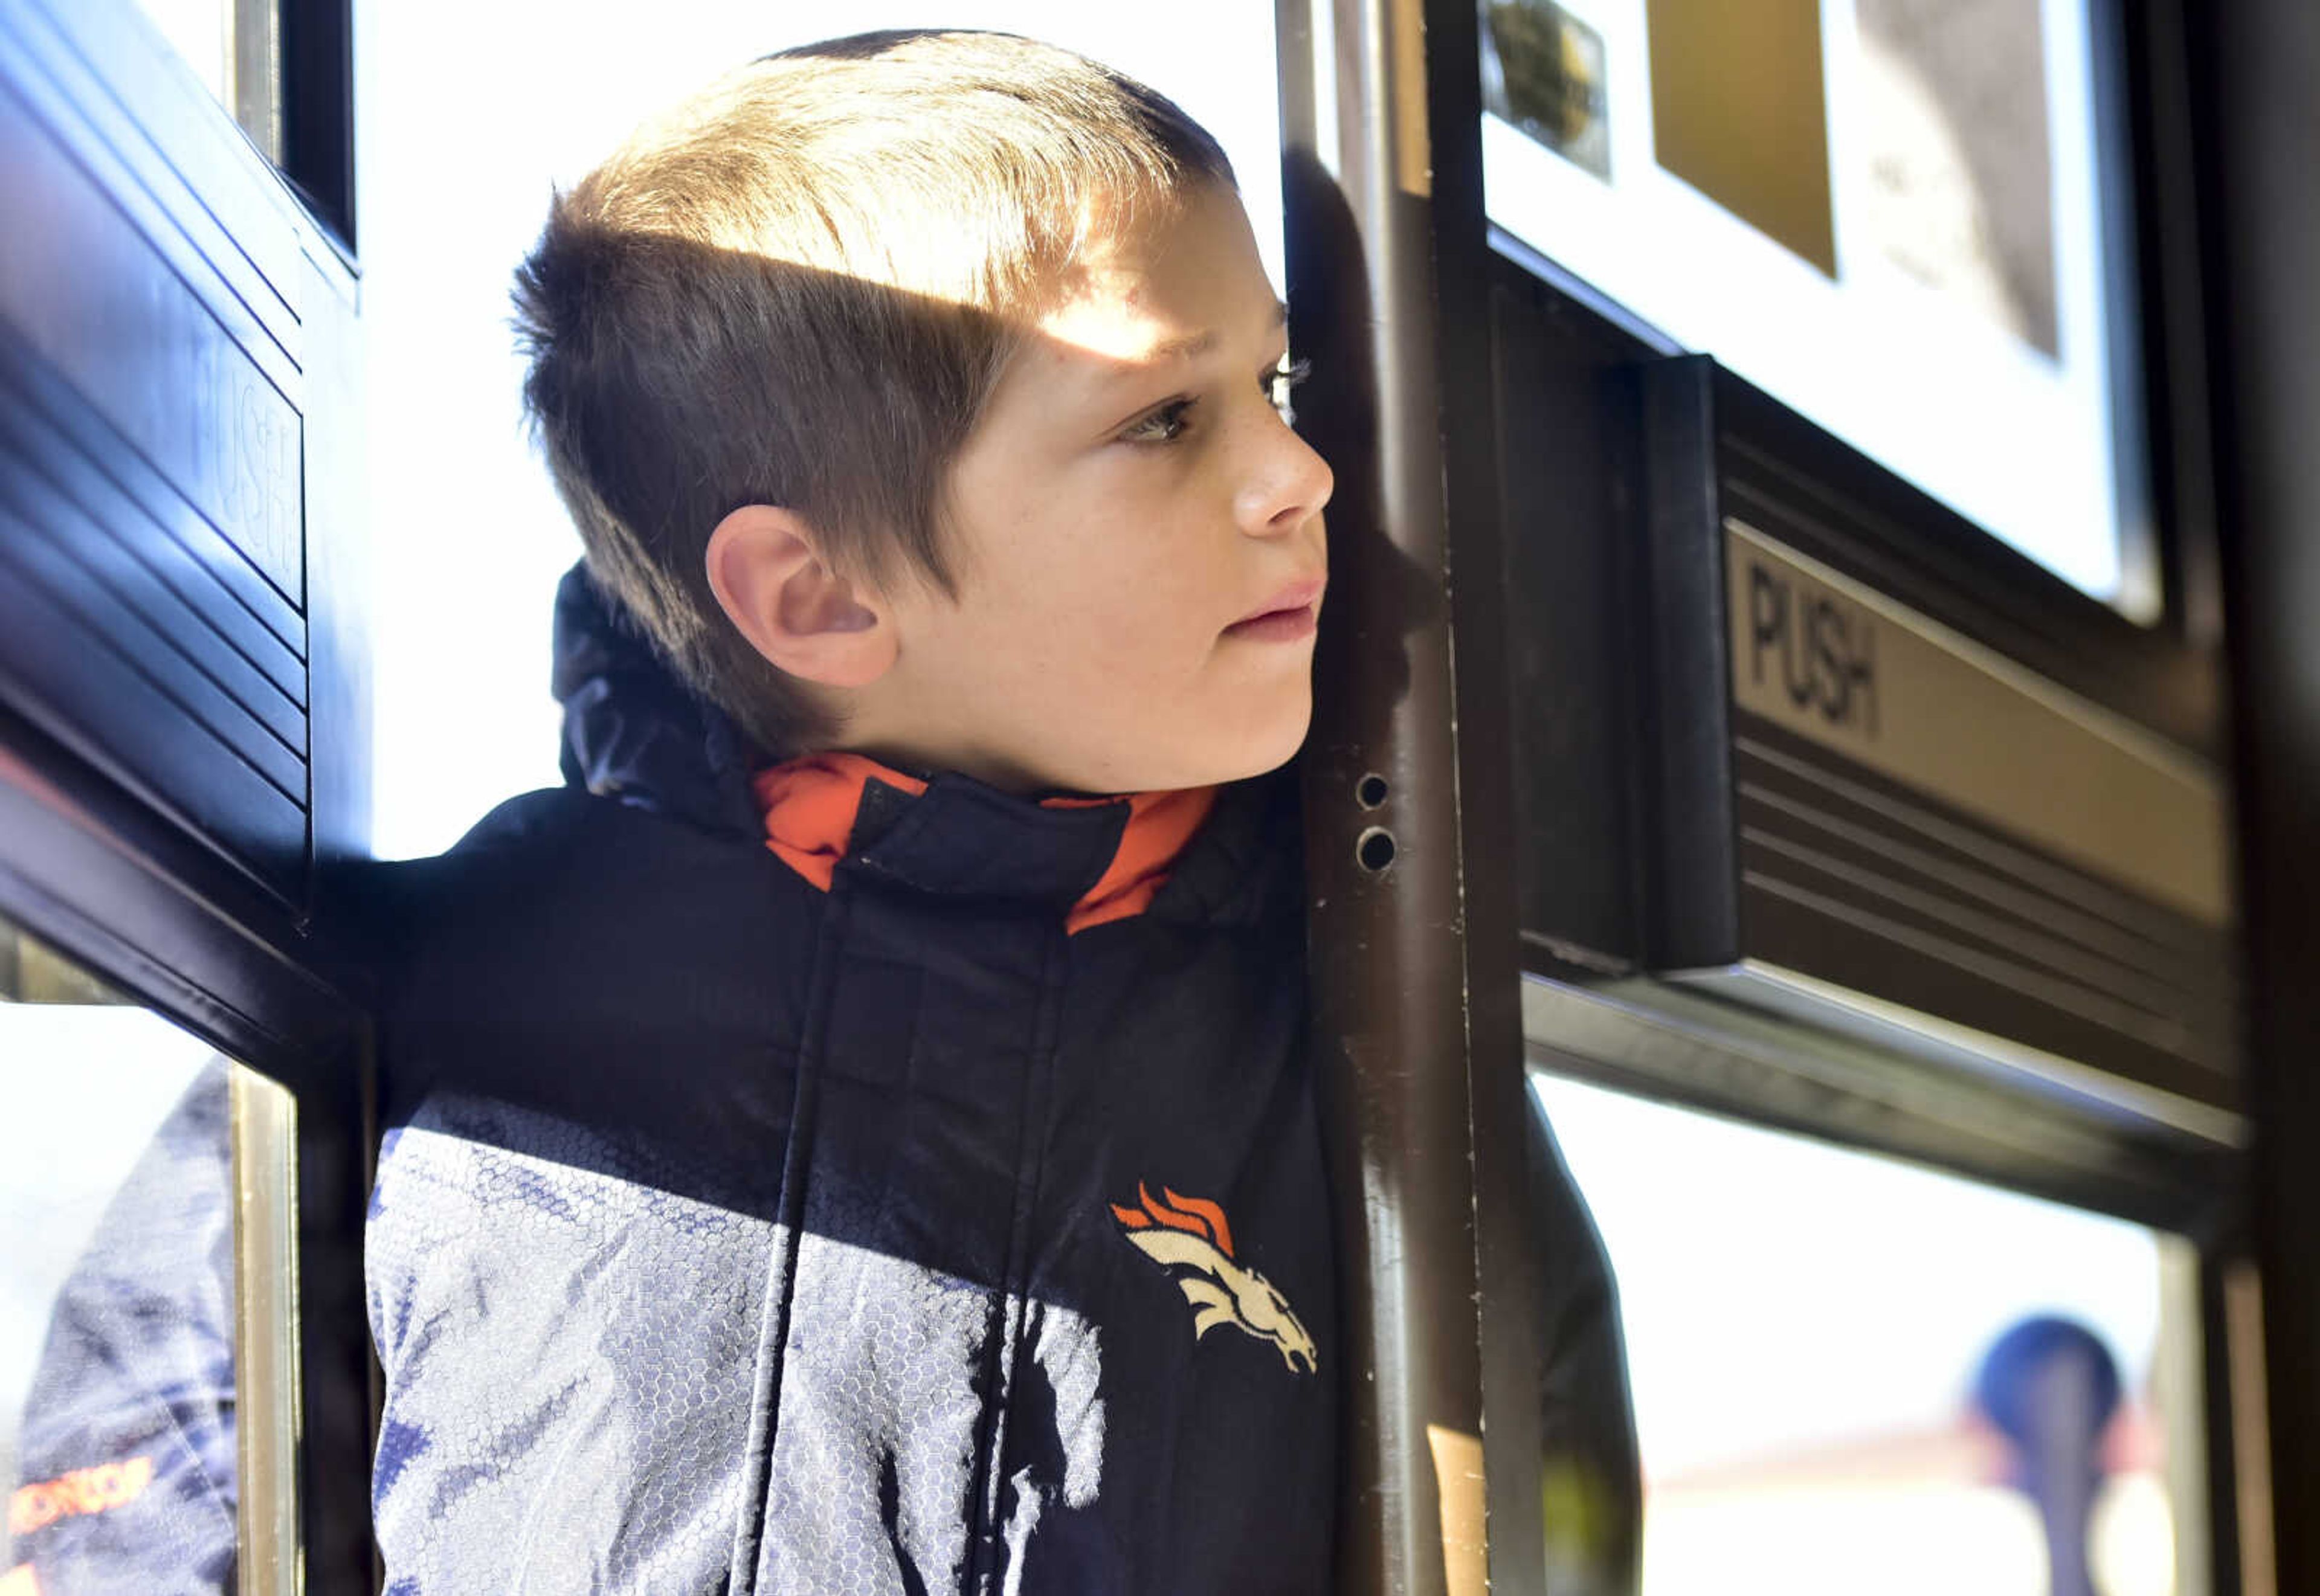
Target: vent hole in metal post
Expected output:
[1374,848]
[1370,791]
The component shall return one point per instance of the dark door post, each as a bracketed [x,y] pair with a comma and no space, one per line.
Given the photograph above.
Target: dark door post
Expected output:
[1408,799]
[2257,71]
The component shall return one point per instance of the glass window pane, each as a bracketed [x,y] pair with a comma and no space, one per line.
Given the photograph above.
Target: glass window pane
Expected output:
[202,34]
[137,1169]
[451,205]
[1891,214]
[1854,1374]
[233,47]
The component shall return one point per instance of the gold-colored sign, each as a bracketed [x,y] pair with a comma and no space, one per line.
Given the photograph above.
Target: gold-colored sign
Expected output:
[1740,112]
[1831,660]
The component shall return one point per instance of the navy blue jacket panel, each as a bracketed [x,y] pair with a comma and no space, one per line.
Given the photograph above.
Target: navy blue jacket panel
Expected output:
[735,1236]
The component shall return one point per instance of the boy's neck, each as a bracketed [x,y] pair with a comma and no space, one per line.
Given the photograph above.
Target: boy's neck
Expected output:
[925,763]
[922,764]
[866,724]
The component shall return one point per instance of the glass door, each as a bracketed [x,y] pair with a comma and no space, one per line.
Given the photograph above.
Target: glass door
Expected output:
[1852,1373]
[148,1371]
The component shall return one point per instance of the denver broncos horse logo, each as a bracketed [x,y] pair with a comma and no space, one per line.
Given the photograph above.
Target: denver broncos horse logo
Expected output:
[1188,1238]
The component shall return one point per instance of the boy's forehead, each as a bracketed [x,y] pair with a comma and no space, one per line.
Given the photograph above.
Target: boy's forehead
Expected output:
[1170,294]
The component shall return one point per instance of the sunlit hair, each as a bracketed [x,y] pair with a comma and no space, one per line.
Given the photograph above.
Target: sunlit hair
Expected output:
[800,288]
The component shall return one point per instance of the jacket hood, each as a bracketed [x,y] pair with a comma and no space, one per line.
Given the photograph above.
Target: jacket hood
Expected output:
[632,730]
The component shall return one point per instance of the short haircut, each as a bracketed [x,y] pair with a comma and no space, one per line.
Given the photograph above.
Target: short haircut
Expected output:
[800,287]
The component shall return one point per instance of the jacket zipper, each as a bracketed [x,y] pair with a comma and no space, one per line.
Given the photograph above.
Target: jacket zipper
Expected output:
[986,1566]
[781,1271]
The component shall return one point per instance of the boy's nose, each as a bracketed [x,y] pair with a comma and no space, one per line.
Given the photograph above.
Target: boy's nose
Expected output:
[1289,488]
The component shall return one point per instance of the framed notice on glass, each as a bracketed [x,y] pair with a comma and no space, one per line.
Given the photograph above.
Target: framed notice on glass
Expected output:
[1892,214]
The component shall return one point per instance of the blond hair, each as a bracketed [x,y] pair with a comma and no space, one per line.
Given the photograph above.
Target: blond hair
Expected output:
[799,287]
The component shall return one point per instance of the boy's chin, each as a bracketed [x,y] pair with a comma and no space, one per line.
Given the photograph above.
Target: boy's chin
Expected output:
[1257,756]
[1173,762]
[1272,760]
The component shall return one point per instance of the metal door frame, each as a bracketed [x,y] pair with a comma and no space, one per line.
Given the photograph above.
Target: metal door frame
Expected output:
[1419,965]
[113,873]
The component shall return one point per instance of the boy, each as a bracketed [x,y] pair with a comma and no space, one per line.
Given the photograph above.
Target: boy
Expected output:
[877,1153]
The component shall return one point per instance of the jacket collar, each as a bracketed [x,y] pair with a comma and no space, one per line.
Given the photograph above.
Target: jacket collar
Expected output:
[1095,860]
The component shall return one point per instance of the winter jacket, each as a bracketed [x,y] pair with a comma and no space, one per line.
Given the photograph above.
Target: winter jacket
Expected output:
[908,1229]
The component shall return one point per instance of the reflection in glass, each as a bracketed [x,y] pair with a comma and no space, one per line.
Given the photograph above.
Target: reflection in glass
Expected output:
[119,1444]
[1543,72]
[1959,163]
[1855,1375]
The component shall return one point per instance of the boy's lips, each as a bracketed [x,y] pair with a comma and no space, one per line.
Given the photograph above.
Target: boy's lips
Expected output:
[1289,614]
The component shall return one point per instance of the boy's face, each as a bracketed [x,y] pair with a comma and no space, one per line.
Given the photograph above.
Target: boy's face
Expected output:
[1130,500]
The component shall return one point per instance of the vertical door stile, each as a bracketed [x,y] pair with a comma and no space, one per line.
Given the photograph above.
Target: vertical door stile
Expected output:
[1410,799]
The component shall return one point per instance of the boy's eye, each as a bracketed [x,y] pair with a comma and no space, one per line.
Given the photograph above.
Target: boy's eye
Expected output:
[1168,422]
[1279,382]
[1164,425]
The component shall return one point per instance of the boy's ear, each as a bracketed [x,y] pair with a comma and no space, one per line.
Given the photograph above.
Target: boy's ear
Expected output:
[766,570]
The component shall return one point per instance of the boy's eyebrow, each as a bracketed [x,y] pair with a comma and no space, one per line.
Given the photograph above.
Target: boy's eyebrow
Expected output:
[1201,343]
[1198,344]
